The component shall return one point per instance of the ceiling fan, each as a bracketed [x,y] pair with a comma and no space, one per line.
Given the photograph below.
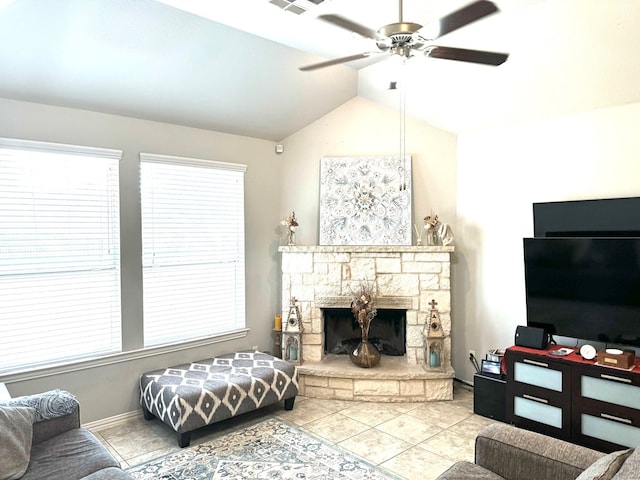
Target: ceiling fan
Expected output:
[405,38]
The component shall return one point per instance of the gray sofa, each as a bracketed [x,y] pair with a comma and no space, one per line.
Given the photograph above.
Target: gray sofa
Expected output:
[505,452]
[54,444]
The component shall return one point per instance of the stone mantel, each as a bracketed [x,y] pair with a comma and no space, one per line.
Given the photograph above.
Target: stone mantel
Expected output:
[407,277]
[366,249]
[344,301]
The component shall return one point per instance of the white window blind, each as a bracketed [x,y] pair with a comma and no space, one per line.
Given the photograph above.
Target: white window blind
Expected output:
[192,248]
[59,253]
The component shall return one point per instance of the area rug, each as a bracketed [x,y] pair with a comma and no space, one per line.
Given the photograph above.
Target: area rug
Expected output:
[271,449]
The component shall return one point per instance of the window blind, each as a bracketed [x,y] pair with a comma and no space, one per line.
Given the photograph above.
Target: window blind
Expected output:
[59,253]
[192,248]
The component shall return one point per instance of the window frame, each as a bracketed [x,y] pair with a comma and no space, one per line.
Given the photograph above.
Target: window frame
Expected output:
[223,167]
[63,273]
[131,275]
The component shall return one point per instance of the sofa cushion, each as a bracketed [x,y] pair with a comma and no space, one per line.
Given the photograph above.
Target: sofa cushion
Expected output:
[606,467]
[110,473]
[630,467]
[16,425]
[516,453]
[51,404]
[70,456]
[468,471]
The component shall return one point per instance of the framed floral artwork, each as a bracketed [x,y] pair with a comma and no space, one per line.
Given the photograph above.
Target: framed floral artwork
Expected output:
[365,200]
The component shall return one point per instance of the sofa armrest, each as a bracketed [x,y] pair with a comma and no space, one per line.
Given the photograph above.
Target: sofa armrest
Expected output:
[46,429]
[57,411]
[516,454]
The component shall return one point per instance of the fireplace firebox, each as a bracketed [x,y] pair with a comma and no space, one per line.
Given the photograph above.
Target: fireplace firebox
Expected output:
[342,332]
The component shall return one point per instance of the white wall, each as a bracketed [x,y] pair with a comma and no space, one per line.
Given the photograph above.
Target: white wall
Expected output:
[360,128]
[501,173]
[111,390]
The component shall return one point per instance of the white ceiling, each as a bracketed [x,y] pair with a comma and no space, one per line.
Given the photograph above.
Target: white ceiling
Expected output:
[232,66]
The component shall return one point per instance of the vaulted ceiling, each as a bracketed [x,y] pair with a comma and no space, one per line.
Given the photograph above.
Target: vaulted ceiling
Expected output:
[233,66]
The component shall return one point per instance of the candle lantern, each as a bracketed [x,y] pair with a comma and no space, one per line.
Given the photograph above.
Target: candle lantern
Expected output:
[277,336]
[292,334]
[433,340]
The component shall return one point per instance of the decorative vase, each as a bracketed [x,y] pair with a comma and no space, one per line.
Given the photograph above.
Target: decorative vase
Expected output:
[291,240]
[365,355]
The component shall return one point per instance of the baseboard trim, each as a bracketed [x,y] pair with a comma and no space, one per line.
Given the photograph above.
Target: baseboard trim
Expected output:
[113,421]
[464,382]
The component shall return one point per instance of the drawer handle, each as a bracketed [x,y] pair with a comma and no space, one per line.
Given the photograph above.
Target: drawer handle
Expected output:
[533,362]
[616,379]
[617,419]
[535,399]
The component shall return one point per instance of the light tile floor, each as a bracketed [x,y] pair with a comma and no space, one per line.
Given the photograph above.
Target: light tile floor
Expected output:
[412,440]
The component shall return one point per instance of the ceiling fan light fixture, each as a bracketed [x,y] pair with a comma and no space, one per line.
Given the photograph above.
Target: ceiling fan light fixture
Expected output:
[404,51]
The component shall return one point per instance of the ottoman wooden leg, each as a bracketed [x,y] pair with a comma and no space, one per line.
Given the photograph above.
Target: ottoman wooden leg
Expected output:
[184,439]
[288,403]
[147,414]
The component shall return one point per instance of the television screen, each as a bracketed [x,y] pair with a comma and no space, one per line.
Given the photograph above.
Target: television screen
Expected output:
[584,288]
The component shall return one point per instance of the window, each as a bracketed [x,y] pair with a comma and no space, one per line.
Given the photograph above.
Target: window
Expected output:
[192,248]
[59,253]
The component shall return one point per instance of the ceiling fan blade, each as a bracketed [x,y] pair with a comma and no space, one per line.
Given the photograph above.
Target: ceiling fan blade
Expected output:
[465,55]
[464,16]
[335,61]
[350,25]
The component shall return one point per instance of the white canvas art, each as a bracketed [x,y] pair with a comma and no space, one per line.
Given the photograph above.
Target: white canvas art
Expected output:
[365,200]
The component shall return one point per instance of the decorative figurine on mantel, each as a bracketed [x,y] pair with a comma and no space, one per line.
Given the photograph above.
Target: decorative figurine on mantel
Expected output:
[291,224]
[434,339]
[438,233]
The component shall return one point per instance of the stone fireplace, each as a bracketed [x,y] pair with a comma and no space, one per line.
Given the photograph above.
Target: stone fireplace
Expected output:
[406,278]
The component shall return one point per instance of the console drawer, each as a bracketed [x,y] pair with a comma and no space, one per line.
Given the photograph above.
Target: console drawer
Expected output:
[610,388]
[538,373]
[538,410]
[610,428]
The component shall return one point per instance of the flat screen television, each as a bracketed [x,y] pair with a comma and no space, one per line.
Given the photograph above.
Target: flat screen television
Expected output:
[584,288]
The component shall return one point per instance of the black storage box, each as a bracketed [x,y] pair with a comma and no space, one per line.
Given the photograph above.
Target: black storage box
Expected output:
[490,396]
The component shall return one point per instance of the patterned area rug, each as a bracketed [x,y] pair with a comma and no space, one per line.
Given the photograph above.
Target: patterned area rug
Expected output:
[271,449]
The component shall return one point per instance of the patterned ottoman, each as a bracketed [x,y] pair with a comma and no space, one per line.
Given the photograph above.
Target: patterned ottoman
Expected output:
[193,395]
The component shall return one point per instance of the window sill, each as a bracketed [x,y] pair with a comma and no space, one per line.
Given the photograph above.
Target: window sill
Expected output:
[42,372]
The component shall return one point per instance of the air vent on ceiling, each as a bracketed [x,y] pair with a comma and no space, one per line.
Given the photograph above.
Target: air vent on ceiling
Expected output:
[296,6]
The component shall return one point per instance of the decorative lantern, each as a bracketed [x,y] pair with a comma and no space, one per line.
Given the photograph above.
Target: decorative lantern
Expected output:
[292,334]
[434,340]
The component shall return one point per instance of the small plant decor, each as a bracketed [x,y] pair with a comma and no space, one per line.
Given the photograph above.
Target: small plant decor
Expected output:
[291,223]
[363,307]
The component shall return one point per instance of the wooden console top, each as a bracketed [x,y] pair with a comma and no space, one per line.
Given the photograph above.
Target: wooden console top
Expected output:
[574,357]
